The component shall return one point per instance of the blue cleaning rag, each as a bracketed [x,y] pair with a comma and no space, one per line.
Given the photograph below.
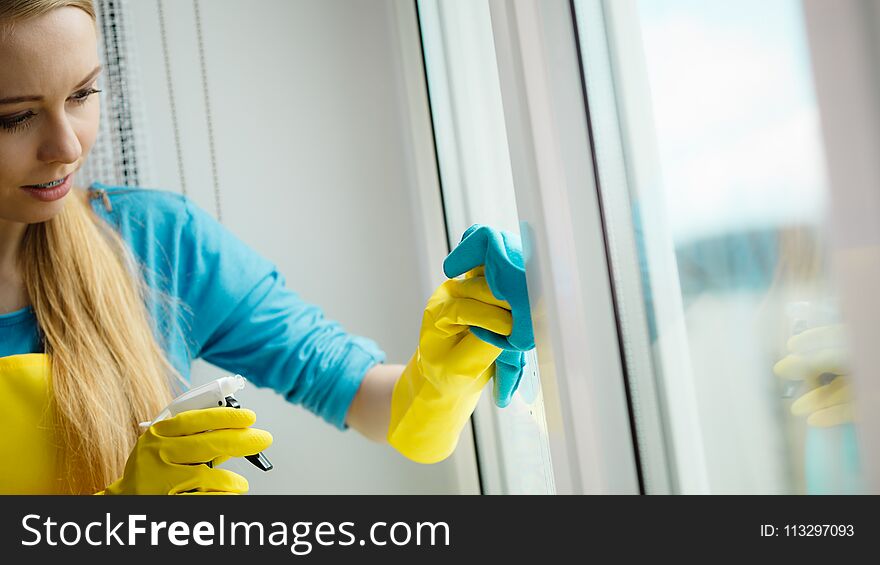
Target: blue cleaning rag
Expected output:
[501,254]
[509,368]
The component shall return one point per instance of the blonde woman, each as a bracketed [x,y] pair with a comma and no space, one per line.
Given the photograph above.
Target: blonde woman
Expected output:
[107,295]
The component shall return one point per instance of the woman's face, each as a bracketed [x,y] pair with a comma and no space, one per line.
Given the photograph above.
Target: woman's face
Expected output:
[52,61]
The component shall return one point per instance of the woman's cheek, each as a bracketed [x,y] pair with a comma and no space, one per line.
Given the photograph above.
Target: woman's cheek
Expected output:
[90,127]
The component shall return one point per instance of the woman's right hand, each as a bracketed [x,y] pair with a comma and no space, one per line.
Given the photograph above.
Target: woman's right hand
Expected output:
[169,457]
[441,385]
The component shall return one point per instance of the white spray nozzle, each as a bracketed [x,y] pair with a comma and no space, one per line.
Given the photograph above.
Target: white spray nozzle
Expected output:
[207,395]
[230,385]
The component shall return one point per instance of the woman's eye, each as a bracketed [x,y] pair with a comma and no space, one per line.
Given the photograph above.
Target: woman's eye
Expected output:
[16,123]
[21,122]
[83,96]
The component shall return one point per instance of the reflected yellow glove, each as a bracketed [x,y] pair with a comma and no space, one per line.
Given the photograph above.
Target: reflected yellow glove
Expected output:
[442,382]
[169,457]
[818,357]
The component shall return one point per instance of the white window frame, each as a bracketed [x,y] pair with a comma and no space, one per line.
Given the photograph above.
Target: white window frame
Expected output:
[628,167]
[475,169]
[576,332]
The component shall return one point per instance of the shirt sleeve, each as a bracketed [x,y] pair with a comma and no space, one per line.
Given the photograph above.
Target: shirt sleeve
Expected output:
[243,318]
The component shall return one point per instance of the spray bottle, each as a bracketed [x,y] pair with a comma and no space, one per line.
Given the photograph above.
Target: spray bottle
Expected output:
[220,392]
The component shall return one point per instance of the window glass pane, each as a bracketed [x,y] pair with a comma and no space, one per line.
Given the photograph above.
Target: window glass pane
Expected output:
[725,181]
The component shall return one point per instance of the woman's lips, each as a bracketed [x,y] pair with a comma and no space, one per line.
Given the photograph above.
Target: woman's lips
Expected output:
[51,194]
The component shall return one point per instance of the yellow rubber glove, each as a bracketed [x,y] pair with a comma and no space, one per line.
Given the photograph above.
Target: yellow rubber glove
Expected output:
[169,457]
[441,384]
[815,356]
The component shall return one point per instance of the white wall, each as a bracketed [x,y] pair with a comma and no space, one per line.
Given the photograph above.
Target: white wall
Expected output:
[310,136]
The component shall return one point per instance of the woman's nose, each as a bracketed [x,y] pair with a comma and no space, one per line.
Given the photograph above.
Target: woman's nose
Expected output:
[60,143]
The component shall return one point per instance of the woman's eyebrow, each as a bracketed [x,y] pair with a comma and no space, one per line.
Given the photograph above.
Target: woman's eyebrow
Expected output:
[18,99]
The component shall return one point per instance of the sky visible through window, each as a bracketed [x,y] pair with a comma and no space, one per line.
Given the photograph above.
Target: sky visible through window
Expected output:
[736,118]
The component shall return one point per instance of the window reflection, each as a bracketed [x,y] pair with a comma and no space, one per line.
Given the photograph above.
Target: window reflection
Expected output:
[744,198]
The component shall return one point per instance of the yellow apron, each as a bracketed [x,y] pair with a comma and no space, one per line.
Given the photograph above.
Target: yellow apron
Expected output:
[27,442]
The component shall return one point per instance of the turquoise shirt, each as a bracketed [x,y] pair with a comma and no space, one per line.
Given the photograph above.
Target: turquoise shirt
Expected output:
[228,305]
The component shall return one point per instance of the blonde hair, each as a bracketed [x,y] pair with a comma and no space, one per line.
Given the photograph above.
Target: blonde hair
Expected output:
[12,11]
[108,371]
